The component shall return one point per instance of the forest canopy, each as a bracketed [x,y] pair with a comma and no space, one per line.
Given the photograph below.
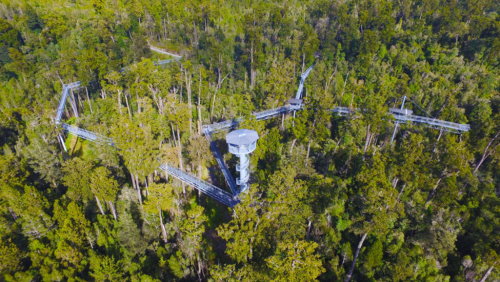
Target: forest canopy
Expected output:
[331,198]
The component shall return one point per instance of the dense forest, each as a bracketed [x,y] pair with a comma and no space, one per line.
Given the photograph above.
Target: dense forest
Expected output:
[331,198]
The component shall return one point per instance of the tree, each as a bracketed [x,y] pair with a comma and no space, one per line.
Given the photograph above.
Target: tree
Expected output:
[104,268]
[10,257]
[160,199]
[77,177]
[295,261]
[103,186]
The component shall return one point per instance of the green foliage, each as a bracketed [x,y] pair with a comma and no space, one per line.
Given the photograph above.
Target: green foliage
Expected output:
[427,201]
[295,261]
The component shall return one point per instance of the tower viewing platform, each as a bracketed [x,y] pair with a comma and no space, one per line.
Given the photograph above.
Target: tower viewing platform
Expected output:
[242,142]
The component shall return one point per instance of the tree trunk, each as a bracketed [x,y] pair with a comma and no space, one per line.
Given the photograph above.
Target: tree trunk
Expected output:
[128,106]
[293,145]
[146,186]
[368,137]
[73,103]
[90,242]
[139,192]
[99,205]
[360,244]
[252,72]
[485,276]
[199,105]
[120,102]
[431,194]
[88,99]
[188,79]
[486,152]
[137,187]
[308,149]
[309,225]
[133,181]
[181,163]
[162,226]
[61,140]
[112,208]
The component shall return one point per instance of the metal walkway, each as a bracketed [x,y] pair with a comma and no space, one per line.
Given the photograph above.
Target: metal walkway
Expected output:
[303,77]
[87,135]
[62,101]
[208,189]
[222,165]
[405,115]
[263,115]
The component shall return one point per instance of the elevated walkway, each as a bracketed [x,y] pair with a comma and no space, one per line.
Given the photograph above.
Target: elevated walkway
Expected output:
[87,135]
[62,102]
[208,189]
[405,115]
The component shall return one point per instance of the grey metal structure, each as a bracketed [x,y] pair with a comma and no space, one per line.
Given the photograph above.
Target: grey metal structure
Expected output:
[208,189]
[262,115]
[87,135]
[406,115]
[242,142]
[160,62]
[303,77]
[222,165]
[62,102]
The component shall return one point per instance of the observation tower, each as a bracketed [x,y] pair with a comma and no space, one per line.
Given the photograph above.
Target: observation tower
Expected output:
[242,142]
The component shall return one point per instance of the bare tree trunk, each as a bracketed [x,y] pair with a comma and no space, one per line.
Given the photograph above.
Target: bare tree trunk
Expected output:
[120,102]
[431,194]
[61,140]
[181,162]
[88,99]
[360,245]
[128,105]
[135,182]
[308,149]
[73,103]
[309,225]
[252,72]
[401,192]
[162,226]
[146,186]
[90,242]
[293,145]
[368,137]
[199,105]
[485,276]
[219,85]
[188,79]
[139,192]
[99,205]
[486,152]
[112,208]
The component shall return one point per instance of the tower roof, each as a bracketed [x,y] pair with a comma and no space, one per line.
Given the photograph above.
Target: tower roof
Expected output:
[242,137]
